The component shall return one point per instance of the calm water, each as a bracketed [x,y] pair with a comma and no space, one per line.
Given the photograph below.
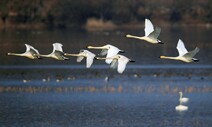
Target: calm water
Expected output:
[50,93]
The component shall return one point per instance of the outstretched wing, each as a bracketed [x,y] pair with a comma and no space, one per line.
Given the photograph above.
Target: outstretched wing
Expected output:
[114,64]
[103,52]
[155,33]
[181,48]
[89,60]
[191,54]
[149,28]
[112,51]
[122,62]
[58,47]
[81,56]
[29,48]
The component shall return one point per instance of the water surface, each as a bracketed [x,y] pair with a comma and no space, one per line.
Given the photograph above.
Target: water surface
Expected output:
[50,93]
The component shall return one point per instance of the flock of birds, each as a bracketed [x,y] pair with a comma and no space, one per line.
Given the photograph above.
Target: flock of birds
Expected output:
[116,60]
[113,57]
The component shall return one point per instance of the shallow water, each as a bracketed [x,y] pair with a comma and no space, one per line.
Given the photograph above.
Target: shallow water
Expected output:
[50,93]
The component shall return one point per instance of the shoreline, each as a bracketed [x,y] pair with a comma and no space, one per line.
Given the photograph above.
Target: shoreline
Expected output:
[98,24]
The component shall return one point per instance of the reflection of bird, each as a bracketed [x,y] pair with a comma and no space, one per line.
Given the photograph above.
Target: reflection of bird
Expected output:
[181,107]
[183,99]
[151,34]
[184,55]
[84,53]
[118,61]
[30,52]
[57,52]
[108,50]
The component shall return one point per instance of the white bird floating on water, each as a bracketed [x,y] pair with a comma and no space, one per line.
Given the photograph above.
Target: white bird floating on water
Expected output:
[184,55]
[151,34]
[84,54]
[30,52]
[118,61]
[183,99]
[57,52]
[108,50]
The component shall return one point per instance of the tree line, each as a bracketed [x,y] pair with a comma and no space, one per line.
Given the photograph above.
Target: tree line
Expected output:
[65,13]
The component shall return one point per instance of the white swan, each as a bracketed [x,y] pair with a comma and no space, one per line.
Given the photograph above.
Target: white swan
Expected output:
[84,53]
[181,108]
[151,34]
[184,55]
[183,99]
[30,52]
[118,61]
[57,52]
[108,50]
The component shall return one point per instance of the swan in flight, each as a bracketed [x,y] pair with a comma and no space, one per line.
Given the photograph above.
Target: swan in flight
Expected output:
[118,61]
[183,99]
[84,54]
[30,52]
[184,55]
[57,52]
[108,50]
[151,34]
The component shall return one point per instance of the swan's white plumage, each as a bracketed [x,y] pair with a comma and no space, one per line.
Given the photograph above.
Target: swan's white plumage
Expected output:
[119,62]
[89,58]
[122,62]
[181,108]
[58,47]
[181,48]
[112,51]
[151,33]
[82,54]
[30,52]
[108,50]
[149,28]
[183,99]
[184,55]
[29,47]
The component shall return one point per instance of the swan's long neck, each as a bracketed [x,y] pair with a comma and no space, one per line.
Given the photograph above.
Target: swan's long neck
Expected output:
[132,36]
[100,58]
[44,55]
[68,54]
[15,54]
[91,47]
[181,95]
[167,57]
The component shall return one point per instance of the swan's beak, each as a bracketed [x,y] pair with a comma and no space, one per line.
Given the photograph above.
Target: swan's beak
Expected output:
[195,60]
[162,57]
[132,61]
[159,42]
[121,51]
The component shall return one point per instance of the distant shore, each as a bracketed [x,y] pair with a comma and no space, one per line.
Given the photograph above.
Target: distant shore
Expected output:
[98,24]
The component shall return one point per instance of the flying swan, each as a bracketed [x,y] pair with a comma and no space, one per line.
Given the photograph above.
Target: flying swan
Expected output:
[184,55]
[151,34]
[84,54]
[30,53]
[108,50]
